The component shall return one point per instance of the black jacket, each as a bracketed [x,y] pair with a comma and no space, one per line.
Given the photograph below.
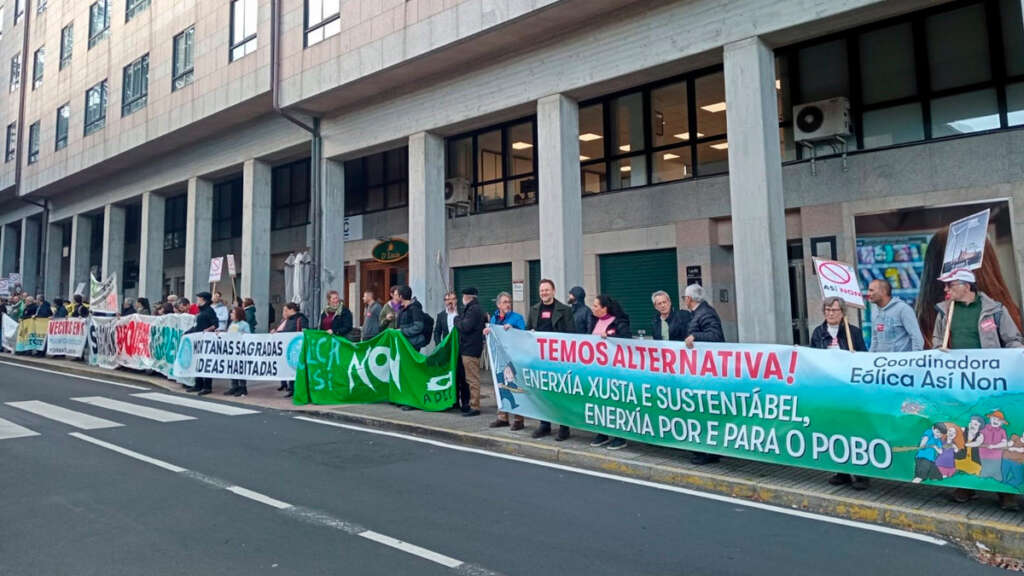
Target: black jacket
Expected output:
[410,323]
[206,318]
[80,311]
[297,323]
[678,325]
[619,327]
[705,325]
[341,325]
[60,311]
[30,310]
[44,310]
[441,326]
[562,319]
[470,324]
[821,338]
[580,312]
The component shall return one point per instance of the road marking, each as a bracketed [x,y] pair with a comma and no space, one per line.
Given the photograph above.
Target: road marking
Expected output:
[9,429]
[646,483]
[413,549]
[129,453]
[70,417]
[225,409]
[301,514]
[133,409]
[66,374]
[261,498]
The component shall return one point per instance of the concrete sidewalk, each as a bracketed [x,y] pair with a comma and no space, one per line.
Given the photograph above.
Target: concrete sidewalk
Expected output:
[980,527]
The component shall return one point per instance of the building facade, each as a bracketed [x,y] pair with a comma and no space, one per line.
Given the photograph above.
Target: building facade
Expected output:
[625,146]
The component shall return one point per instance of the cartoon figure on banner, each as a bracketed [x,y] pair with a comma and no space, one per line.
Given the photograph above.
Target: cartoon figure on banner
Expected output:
[981,449]
[928,452]
[508,388]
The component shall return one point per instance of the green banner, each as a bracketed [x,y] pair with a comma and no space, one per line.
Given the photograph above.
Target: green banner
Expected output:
[333,370]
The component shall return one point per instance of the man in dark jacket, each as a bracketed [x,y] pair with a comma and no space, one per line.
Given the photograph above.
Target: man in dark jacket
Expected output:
[580,311]
[669,323]
[550,315]
[705,326]
[206,321]
[443,325]
[43,309]
[294,321]
[59,310]
[410,319]
[470,324]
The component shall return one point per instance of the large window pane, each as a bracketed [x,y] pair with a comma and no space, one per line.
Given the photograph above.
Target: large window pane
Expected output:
[958,47]
[887,64]
[671,164]
[592,132]
[710,94]
[489,156]
[460,158]
[824,71]
[628,172]
[965,113]
[783,89]
[490,197]
[787,144]
[1013,36]
[520,146]
[594,178]
[627,119]
[522,191]
[713,158]
[669,119]
[1015,104]
[893,125]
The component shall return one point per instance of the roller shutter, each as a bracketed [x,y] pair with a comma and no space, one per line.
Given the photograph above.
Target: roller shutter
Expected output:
[534,281]
[632,277]
[489,279]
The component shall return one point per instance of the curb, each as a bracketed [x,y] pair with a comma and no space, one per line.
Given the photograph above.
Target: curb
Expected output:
[987,540]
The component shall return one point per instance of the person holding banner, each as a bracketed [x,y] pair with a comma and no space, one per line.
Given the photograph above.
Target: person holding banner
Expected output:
[206,321]
[550,315]
[976,321]
[79,309]
[507,319]
[669,323]
[836,333]
[238,326]
[294,321]
[336,318]
[608,320]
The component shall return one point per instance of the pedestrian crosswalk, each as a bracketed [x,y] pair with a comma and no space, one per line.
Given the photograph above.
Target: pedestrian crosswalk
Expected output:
[91,412]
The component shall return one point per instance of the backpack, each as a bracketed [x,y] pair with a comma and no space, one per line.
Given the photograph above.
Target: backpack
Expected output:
[428,326]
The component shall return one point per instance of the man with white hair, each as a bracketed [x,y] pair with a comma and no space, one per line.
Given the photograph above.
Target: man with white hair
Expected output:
[669,323]
[705,326]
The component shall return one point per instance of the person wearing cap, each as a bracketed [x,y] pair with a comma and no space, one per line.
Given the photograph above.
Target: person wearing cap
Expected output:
[992,444]
[895,324]
[978,320]
[470,324]
[206,321]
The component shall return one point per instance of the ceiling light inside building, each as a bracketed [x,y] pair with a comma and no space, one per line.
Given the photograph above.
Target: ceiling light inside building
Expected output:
[778,84]
[624,148]
[669,156]
[589,137]
[584,158]
[625,168]
[721,146]
[716,107]
[686,135]
[521,145]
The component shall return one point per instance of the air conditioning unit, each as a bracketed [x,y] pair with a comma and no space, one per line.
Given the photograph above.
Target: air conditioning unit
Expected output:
[456,192]
[821,120]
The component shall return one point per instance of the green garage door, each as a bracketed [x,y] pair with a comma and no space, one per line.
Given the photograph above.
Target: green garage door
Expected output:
[489,279]
[533,281]
[632,277]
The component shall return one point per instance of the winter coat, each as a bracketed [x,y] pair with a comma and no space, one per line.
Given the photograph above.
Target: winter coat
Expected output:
[250,317]
[470,324]
[580,313]
[678,325]
[705,325]
[410,323]
[371,322]
[297,323]
[562,319]
[441,326]
[821,338]
[619,328]
[44,310]
[205,319]
[996,328]
[341,325]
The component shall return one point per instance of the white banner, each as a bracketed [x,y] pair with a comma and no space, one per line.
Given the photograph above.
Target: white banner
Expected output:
[241,356]
[10,332]
[67,337]
[216,268]
[838,279]
[103,296]
[103,342]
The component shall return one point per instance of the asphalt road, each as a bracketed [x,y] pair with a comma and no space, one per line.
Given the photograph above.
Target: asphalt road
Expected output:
[266,493]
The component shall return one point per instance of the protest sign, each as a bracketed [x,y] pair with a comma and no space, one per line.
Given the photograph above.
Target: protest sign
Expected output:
[14,279]
[239,356]
[66,337]
[80,289]
[838,279]
[231,265]
[965,244]
[31,335]
[333,370]
[103,342]
[5,288]
[8,332]
[895,416]
[103,295]
[216,269]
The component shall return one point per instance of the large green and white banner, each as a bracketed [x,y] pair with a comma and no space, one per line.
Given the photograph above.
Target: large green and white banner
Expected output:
[333,370]
[946,418]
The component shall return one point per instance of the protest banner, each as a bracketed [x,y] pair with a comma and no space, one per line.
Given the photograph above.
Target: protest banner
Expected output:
[103,342]
[8,332]
[31,335]
[216,269]
[333,370]
[165,335]
[66,337]
[232,271]
[103,295]
[965,243]
[903,416]
[239,356]
[131,336]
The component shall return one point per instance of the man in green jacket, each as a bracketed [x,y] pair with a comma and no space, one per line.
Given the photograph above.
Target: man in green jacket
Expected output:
[550,315]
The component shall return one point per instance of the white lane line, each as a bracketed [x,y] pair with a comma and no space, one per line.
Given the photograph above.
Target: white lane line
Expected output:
[261,498]
[76,376]
[133,409]
[129,453]
[70,417]
[9,429]
[646,483]
[225,409]
[411,549]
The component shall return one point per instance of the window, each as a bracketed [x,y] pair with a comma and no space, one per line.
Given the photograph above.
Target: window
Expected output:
[133,7]
[290,191]
[323,20]
[19,10]
[37,67]
[175,216]
[377,182]
[63,122]
[498,164]
[12,142]
[15,72]
[99,21]
[183,58]
[95,107]
[33,142]
[67,38]
[227,210]
[244,16]
[136,86]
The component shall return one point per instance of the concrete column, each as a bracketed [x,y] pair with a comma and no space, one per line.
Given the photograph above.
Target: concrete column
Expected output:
[30,254]
[113,242]
[54,258]
[255,259]
[427,220]
[151,247]
[8,249]
[333,235]
[755,190]
[561,212]
[198,234]
[81,236]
